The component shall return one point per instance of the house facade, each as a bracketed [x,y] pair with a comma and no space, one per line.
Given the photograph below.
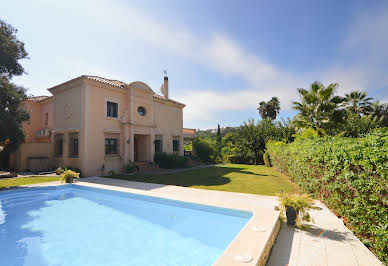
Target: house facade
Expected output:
[99,125]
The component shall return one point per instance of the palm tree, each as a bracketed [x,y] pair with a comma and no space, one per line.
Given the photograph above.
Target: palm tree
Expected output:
[358,103]
[380,110]
[318,108]
[269,109]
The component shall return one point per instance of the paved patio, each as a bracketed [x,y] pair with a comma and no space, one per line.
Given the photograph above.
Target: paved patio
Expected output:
[328,242]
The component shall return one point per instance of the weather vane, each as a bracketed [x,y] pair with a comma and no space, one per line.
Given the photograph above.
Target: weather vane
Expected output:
[165,72]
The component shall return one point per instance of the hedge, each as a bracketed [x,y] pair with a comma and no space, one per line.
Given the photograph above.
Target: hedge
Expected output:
[349,174]
[169,161]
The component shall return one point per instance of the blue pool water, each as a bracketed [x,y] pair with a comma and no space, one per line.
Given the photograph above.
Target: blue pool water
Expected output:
[76,225]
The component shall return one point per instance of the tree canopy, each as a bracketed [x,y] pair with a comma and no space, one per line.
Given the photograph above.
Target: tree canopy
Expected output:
[269,109]
[318,107]
[11,116]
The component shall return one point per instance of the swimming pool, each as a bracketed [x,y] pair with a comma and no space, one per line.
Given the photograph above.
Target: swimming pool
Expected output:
[79,225]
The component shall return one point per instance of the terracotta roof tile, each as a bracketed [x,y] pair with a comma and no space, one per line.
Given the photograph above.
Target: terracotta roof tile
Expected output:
[112,82]
[38,98]
[167,100]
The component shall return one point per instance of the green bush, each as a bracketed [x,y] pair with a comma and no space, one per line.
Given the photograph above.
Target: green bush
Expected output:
[68,176]
[169,161]
[75,169]
[59,171]
[266,159]
[349,174]
[205,150]
[230,154]
[129,167]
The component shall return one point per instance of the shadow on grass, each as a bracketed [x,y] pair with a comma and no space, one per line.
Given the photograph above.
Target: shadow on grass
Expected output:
[212,176]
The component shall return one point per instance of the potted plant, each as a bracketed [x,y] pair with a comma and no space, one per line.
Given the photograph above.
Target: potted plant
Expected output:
[68,176]
[296,206]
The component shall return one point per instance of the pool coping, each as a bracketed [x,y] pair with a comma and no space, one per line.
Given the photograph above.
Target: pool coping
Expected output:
[253,243]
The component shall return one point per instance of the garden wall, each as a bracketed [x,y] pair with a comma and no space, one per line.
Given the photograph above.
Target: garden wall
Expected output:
[349,174]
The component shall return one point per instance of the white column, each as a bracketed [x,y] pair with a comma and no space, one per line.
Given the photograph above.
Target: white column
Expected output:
[131,144]
[152,145]
[181,145]
[126,144]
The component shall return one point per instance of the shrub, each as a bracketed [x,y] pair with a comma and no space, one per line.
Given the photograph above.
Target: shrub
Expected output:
[169,161]
[205,150]
[68,176]
[230,153]
[266,159]
[129,168]
[75,169]
[349,174]
[300,203]
[59,171]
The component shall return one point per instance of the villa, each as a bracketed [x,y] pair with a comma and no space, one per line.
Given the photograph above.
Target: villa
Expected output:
[99,125]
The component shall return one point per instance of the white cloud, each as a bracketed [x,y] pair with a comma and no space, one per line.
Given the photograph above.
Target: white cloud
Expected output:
[366,37]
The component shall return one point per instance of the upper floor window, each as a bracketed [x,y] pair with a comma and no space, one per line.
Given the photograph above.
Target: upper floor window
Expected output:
[58,145]
[73,145]
[112,109]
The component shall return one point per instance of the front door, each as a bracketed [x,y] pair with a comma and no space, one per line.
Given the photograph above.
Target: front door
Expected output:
[136,148]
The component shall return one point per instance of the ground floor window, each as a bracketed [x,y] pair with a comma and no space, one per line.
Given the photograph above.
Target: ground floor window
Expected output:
[73,145]
[175,144]
[158,143]
[112,144]
[58,145]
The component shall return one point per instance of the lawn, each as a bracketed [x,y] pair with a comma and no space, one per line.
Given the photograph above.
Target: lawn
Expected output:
[14,182]
[232,177]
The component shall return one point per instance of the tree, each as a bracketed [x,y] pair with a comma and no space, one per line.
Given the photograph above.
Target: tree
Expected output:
[356,125]
[318,108]
[11,117]
[380,110]
[269,109]
[218,135]
[358,103]
[251,138]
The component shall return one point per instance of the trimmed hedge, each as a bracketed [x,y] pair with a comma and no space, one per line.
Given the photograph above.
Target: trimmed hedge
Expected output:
[169,161]
[349,174]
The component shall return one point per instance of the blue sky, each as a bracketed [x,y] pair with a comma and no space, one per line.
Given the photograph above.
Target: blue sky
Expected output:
[222,57]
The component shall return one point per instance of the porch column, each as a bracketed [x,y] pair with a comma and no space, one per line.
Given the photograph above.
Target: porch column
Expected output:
[131,144]
[127,143]
[181,146]
[152,145]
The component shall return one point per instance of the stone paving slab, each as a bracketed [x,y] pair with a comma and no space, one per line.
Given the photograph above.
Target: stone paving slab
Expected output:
[339,246]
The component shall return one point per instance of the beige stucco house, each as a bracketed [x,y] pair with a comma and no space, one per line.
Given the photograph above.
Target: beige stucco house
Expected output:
[98,124]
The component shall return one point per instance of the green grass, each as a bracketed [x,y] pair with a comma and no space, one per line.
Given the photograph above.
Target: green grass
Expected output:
[232,177]
[14,182]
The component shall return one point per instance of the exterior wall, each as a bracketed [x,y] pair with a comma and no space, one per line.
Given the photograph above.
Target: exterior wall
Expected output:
[68,112]
[169,123]
[80,106]
[97,124]
[20,159]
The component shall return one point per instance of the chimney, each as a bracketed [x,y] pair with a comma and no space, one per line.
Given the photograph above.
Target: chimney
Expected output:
[165,87]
